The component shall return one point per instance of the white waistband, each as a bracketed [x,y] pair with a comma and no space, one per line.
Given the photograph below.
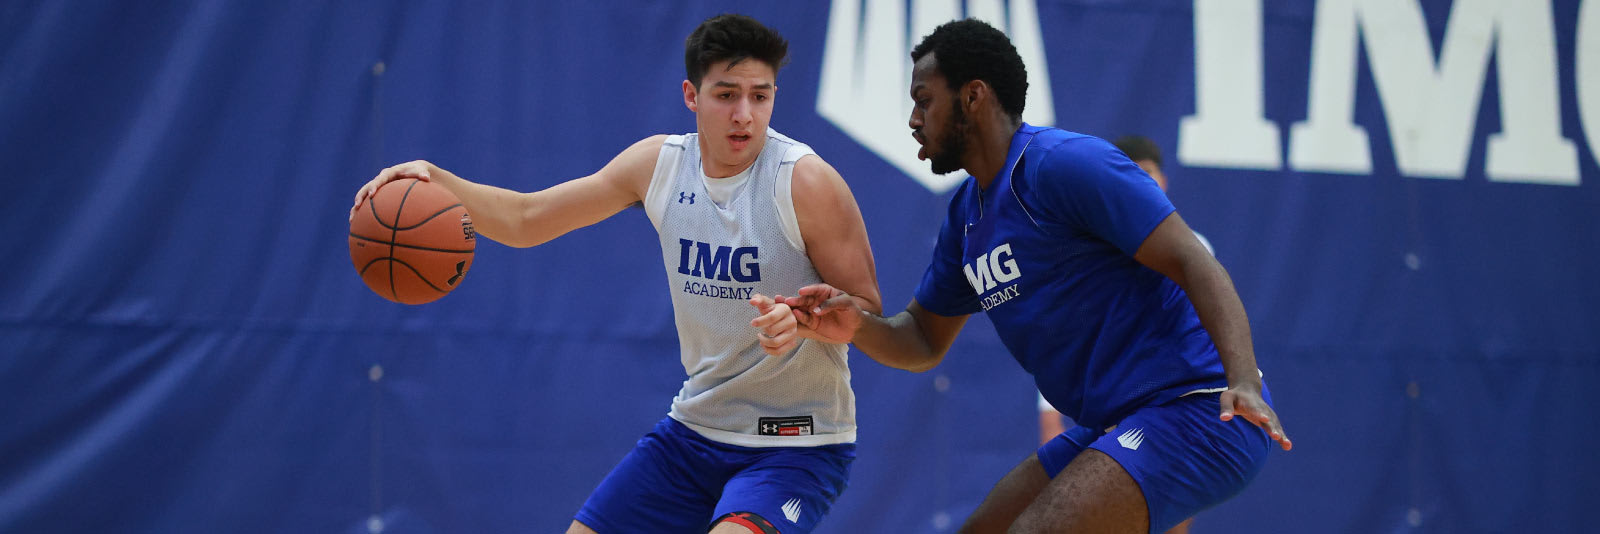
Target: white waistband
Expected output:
[748,440]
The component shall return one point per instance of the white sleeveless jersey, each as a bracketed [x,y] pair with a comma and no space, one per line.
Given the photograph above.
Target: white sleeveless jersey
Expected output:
[723,240]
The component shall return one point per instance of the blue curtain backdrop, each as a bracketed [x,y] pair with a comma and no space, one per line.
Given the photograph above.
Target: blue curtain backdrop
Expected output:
[185,347]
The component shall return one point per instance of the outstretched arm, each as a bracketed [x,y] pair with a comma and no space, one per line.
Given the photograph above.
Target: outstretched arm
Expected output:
[846,307]
[528,219]
[1172,250]
[915,339]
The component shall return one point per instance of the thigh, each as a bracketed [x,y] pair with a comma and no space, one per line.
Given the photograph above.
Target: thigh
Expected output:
[1092,494]
[661,486]
[1022,485]
[1009,498]
[790,488]
[1055,454]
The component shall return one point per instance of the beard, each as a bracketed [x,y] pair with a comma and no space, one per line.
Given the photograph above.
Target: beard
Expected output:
[948,158]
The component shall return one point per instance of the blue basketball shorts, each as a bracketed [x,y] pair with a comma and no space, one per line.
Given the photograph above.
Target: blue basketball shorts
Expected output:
[1184,458]
[677,481]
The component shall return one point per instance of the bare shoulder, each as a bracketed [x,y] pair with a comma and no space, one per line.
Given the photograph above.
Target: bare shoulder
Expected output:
[815,171]
[817,185]
[823,203]
[644,151]
[632,168]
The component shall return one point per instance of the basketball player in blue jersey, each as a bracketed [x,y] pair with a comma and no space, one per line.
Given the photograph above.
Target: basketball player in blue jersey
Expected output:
[1147,155]
[1095,285]
[752,444]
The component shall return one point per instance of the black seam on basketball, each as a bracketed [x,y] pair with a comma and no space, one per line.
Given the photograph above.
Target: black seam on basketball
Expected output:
[391,272]
[395,234]
[413,247]
[418,273]
[363,270]
[372,203]
[425,221]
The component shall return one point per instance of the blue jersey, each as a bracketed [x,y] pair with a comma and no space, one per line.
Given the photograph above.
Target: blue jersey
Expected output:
[1046,250]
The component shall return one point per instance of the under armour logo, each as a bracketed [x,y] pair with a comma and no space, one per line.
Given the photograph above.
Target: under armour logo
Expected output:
[682,196]
[1132,439]
[461,268]
[769,427]
[791,510]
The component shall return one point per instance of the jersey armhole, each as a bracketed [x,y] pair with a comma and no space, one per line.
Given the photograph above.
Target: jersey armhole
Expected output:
[655,196]
[783,200]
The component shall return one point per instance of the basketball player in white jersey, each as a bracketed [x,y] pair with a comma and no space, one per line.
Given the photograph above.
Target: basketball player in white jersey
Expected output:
[752,443]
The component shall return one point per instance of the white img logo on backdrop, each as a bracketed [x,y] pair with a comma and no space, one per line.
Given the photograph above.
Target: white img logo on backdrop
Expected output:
[1431,106]
[866,71]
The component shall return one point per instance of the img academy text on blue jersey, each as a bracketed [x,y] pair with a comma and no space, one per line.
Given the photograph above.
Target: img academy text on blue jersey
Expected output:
[994,268]
[1050,243]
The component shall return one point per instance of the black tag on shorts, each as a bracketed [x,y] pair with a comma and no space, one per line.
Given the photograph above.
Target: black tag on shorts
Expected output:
[785,426]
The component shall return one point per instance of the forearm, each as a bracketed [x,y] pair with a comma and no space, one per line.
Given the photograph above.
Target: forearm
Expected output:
[497,213]
[529,219]
[1222,314]
[897,342]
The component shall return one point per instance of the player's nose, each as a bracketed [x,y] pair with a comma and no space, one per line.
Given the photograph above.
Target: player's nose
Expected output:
[741,111]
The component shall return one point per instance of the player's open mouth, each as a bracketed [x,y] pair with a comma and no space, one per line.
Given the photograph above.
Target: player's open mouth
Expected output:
[922,153]
[739,141]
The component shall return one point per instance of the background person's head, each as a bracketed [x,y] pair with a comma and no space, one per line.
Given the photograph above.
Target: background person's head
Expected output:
[1146,154]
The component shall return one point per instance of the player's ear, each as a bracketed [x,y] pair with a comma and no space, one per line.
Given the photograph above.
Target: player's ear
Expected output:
[974,92]
[689,93]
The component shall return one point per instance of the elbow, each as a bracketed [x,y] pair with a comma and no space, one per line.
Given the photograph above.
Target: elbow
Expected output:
[924,365]
[919,363]
[872,304]
[524,241]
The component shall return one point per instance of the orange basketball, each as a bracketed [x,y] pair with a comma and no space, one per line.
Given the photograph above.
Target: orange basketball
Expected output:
[412,241]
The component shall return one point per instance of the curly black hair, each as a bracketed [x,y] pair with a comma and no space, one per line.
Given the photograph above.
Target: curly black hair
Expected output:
[971,49]
[732,38]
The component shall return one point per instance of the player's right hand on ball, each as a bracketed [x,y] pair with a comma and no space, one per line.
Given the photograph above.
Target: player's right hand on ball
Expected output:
[418,169]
